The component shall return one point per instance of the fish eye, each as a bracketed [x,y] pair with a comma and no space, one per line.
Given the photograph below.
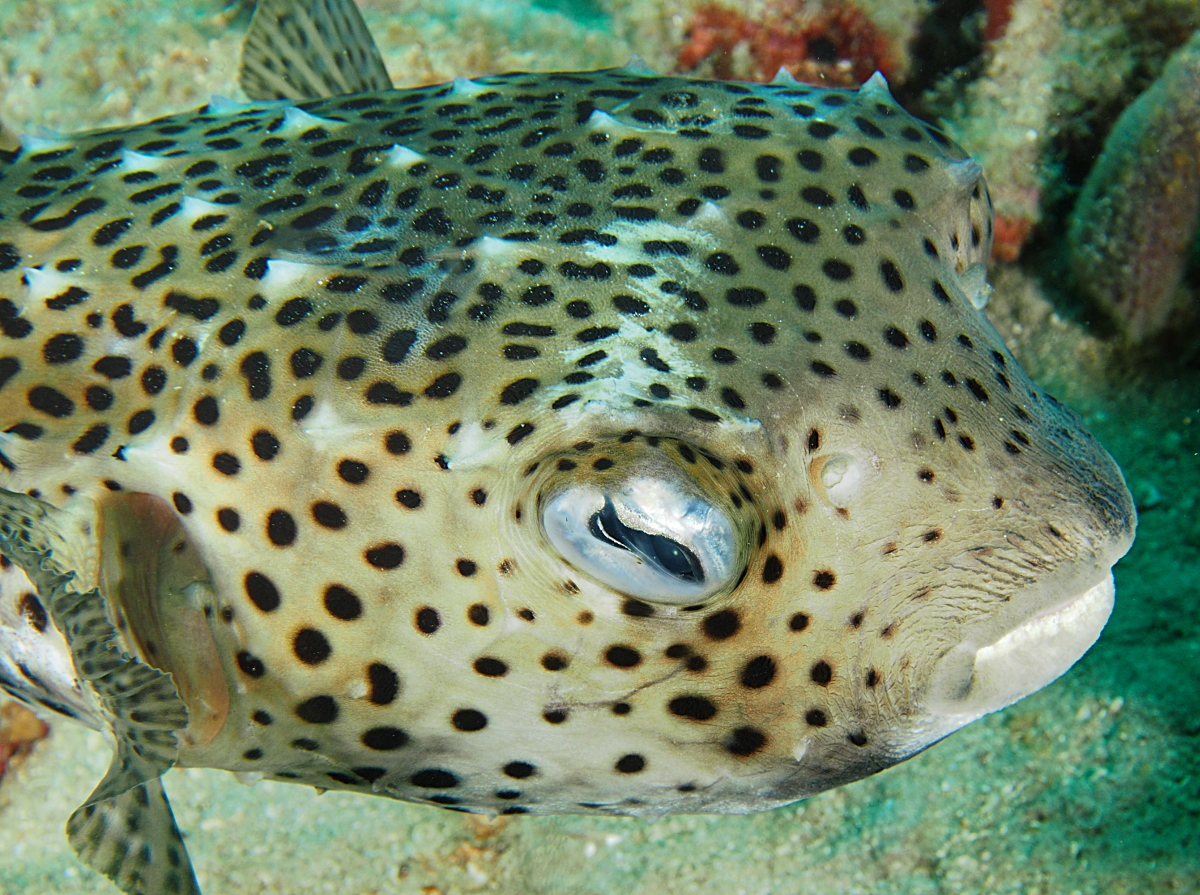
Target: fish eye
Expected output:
[645,537]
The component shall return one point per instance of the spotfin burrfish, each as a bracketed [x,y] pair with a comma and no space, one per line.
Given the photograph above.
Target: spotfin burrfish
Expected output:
[588,442]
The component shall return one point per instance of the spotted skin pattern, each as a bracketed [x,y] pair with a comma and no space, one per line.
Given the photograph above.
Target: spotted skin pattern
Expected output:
[351,345]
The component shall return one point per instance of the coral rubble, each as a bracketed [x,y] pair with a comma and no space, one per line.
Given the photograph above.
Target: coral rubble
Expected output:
[832,43]
[1137,216]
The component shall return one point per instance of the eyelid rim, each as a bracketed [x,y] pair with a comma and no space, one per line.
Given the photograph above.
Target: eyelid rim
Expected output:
[565,525]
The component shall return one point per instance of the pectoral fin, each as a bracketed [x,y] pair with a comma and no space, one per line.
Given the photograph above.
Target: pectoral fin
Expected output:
[125,829]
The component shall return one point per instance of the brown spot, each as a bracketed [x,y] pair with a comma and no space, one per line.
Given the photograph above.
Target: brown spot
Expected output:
[856,620]
[585,617]
[570,587]
[843,512]
[801,505]
[922,593]
[33,611]
[506,566]
[887,632]
[890,548]
[934,534]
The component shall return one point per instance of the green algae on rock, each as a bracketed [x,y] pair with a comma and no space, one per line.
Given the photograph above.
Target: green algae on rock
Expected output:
[1138,214]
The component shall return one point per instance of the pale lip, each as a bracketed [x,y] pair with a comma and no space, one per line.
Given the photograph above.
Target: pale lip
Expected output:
[972,680]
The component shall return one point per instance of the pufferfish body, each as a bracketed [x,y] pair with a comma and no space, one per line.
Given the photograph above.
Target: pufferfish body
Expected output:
[587,442]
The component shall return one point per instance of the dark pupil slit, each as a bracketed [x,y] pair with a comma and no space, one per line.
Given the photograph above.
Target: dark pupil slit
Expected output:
[669,556]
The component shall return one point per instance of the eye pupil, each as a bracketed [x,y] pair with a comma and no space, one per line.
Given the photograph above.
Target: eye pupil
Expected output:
[669,556]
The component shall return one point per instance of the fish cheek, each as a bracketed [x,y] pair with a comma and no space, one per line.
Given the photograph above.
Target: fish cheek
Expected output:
[158,591]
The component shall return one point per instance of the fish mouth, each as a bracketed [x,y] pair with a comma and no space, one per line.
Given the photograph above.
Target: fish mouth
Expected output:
[973,678]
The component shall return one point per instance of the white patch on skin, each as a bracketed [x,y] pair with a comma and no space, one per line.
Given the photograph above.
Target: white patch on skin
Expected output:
[475,447]
[403,157]
[192,209]
[491,250]
[784,78]
[282,274]
[140,161]
[468,88]
[297,121]
[45,141]
[325,429]
[638,66]
[600,122]
[45,284]
[223,105]
[697,233]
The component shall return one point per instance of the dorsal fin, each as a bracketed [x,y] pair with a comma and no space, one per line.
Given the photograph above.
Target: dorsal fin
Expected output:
[308,49]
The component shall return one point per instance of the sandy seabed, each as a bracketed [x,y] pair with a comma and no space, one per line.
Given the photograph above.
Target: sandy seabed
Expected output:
[1090,786]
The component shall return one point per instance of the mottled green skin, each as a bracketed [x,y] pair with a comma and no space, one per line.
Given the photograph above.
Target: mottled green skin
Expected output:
[509,284]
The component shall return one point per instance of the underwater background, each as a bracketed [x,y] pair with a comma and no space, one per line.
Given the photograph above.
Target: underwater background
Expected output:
[1091,785]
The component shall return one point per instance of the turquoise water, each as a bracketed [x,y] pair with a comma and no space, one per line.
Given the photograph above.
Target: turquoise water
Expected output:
[1089,786]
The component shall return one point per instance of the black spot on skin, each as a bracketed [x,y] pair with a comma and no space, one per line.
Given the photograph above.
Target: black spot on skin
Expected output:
[745,741]
[281,528]
[318,710]
[824,579]
[490,667]
[469,720]
[816,718]
[821,673]
[519,770]
[798,622]
[758,673]
[722,625]
[250,666]
[630,764]
[385,684]
[772,569]
[385,556]
[342,603]
[353,472]
[622,656]
[385,739]
[695,708]
[427,620]
[262,591]
[310,646]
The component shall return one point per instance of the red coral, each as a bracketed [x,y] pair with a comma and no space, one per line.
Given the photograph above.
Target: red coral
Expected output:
[1009,237]
[830,43]
[999,13]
